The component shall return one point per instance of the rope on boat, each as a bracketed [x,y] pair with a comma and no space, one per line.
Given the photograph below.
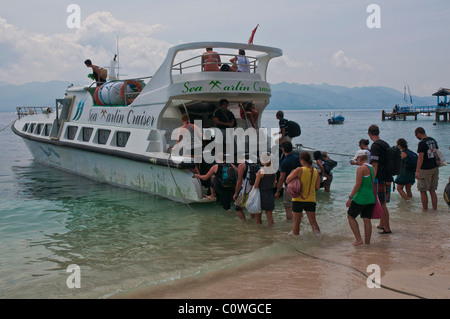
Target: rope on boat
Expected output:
[245,114]
[312,148]
[7,126]
[176,184]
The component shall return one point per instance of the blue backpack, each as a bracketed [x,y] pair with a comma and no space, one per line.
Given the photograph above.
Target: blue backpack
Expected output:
[227,175]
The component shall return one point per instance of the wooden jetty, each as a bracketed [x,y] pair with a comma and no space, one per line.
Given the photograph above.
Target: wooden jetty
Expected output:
[441,110]
[442,113]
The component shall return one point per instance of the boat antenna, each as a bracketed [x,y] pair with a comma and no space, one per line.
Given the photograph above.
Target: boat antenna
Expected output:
[117,56]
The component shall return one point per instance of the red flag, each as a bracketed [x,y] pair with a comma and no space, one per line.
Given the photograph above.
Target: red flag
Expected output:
[250,41]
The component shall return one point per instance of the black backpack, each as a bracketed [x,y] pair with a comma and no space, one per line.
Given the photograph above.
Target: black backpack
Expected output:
[294,129]
[251,169]
[227,175]
[328,165]
[393,159]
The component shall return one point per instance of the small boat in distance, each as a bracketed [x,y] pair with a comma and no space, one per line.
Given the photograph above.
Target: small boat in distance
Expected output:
[336,119]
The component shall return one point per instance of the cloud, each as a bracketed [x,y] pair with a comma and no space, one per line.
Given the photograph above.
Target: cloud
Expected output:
[41,57]
[286,69]
[340,60]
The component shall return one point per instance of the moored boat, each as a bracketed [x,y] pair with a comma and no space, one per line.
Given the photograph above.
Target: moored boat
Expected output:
[336,119]
[122,132]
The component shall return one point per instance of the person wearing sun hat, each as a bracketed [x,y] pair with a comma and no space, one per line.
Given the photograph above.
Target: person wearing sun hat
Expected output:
[361,199]
[266,182]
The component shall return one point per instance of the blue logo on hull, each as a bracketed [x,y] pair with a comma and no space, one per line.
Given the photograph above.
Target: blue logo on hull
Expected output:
[79,110]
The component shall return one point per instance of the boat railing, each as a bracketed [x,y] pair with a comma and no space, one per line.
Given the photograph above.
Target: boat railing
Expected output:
[197,62]
[32,110]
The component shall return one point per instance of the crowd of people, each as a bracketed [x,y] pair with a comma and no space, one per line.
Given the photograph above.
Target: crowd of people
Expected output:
[259,174]
[373,182]
[422,166]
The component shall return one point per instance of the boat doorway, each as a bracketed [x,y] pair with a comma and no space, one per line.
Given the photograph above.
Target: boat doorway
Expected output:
[63,110]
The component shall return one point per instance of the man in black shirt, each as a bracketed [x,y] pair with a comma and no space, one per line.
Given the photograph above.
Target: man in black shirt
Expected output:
[382,181]
[427,171]
[284,130]
[223,117]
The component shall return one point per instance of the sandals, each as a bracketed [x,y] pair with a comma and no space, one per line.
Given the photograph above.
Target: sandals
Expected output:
[383,230]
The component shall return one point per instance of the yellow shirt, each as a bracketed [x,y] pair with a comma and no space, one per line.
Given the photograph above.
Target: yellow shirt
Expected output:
[306,183]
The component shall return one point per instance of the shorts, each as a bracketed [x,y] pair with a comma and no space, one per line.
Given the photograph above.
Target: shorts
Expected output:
[287,199]
[298,207]
[383,190]
[365,210]
[428,179]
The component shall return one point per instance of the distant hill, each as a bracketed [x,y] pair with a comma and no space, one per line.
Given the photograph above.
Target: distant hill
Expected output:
[293,96]
[285,96]
[30,94]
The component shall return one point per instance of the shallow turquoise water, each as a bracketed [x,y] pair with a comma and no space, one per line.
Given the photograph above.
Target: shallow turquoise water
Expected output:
[123,240]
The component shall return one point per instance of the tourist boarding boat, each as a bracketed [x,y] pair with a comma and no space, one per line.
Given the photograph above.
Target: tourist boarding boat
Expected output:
[121,133]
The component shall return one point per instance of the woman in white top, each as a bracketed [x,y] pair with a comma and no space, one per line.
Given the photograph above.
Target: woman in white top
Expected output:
[363,145]
[240,63]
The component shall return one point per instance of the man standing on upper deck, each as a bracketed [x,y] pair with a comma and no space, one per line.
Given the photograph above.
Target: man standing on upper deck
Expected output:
[211,60]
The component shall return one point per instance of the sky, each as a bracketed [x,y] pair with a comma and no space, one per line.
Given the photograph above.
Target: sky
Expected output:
[344,42]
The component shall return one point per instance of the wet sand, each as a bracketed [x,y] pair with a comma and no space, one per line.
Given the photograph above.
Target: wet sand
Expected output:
[414,261]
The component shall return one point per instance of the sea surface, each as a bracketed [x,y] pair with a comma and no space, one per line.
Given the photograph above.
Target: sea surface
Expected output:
[124,240]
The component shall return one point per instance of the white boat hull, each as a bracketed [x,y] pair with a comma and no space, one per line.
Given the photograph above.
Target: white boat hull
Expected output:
[126,142]
[172,183]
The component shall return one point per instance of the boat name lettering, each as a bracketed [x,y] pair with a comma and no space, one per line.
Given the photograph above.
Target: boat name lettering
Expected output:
[92,117]
[142,119]
[188,89]
[119,118]
[258,88]
[219,86]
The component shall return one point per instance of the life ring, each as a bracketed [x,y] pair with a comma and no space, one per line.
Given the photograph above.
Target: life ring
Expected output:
[96,97]
[122,90]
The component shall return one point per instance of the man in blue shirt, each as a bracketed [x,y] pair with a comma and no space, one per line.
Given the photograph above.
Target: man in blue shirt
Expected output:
[287,165]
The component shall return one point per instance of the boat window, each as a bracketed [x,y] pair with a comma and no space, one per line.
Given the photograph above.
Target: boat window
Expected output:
[47,129]
[71,132]
[87,133]
[39,128]
[25,127]
[103,136]
[122,138]
[32,127]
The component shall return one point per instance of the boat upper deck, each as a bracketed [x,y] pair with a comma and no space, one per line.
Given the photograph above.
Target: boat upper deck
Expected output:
[186,69]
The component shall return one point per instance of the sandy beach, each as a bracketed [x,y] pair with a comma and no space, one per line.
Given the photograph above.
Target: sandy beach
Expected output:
[414,263]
